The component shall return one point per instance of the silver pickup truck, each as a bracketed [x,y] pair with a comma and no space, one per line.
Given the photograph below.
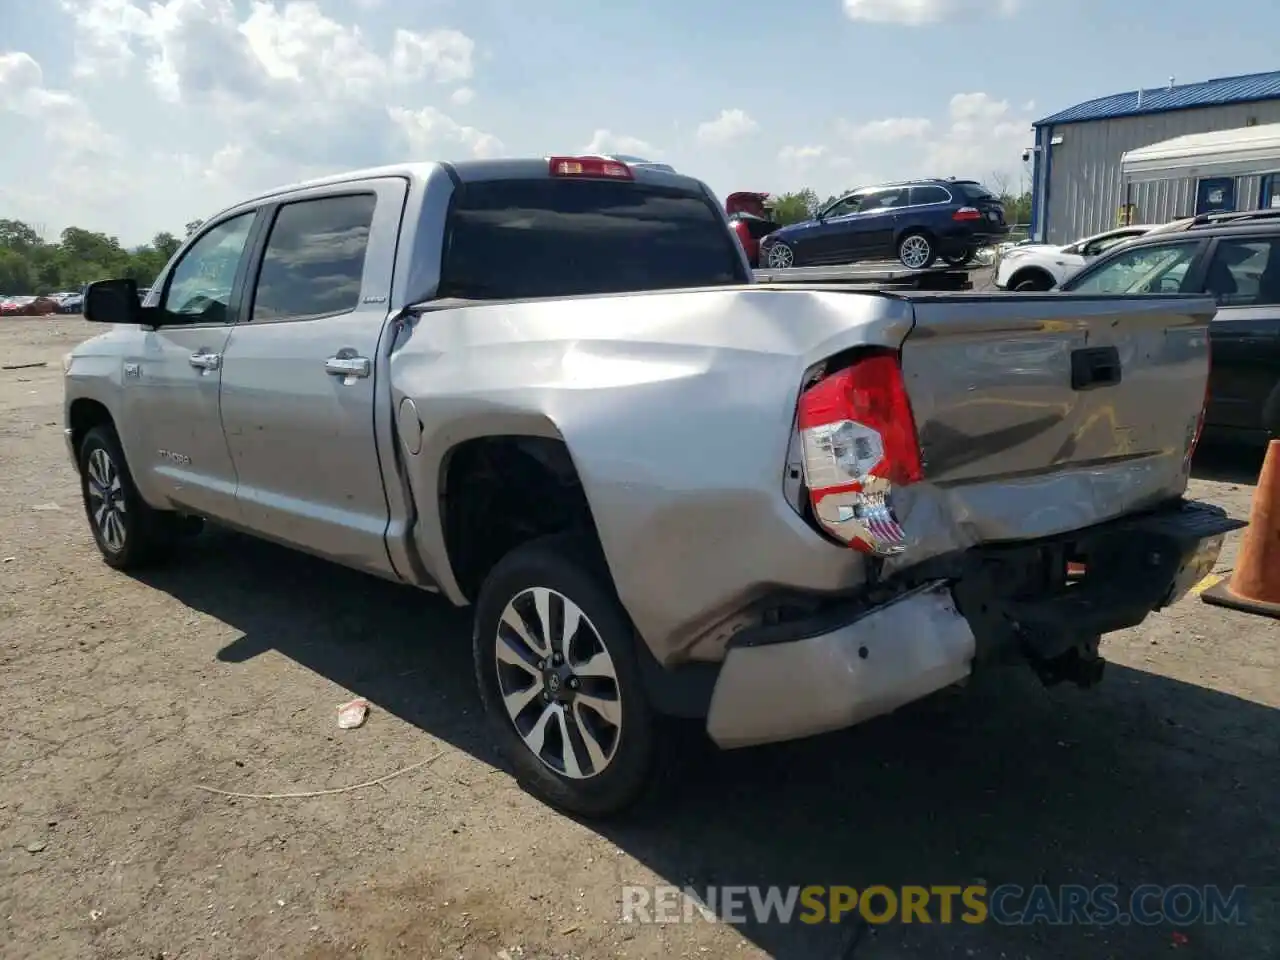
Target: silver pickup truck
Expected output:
[549,389]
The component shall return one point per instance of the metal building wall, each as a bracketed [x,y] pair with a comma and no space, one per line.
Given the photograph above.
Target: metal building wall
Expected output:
[1085,187]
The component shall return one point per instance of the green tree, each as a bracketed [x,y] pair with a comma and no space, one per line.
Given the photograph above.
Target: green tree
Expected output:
[794,207]
[165,244]
[28,265]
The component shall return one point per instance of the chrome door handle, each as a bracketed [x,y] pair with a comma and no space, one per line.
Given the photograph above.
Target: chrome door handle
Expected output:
[206,361]
[348,366]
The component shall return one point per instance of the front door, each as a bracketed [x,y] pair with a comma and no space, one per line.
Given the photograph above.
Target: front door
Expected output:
[301,376]
[172,428]
[1244,277]
[826,241]
[876,222]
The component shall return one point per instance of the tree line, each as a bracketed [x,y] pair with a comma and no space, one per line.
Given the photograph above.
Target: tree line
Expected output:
[31,265]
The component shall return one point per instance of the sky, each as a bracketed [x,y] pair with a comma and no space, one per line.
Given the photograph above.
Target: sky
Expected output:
[136,116]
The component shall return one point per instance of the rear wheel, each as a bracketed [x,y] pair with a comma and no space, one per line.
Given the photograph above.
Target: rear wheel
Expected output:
[957,259]
[556,667]
[915,251]
[781,256]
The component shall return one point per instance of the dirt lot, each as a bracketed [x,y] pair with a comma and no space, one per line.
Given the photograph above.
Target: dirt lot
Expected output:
[124,696]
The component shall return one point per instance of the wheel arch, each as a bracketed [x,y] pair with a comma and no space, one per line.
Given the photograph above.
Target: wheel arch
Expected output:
[1032,272]
[500,490]
[83,415]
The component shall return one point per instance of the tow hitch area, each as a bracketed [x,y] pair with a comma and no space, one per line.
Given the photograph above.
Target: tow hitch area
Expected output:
[1050,603]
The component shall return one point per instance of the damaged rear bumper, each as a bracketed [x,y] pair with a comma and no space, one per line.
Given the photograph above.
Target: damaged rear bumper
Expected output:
[849,663]
[778,685]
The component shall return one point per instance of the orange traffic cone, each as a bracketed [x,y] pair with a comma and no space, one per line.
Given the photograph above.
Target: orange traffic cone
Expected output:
[1254,586]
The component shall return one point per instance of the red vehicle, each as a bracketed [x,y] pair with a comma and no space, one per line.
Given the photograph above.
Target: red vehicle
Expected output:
[750,220]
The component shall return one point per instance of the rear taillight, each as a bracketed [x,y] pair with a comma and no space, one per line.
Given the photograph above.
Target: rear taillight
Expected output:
[599,167]
[859,442]
[967,213]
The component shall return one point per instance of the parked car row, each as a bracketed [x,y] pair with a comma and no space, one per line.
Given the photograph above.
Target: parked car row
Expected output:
[29,306]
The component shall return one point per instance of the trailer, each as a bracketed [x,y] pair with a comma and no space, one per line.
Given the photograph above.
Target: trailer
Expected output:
[872,275]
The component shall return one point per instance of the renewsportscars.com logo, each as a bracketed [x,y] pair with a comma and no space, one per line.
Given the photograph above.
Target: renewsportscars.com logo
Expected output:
[1008,904]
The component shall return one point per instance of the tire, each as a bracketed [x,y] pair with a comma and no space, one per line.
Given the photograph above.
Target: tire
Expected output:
[781,256]
[1034,282]
[537,584]
[958,259]
[129,533]
[915,251]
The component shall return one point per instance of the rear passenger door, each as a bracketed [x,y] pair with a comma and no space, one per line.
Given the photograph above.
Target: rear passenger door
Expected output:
[301,373]
[1243,274]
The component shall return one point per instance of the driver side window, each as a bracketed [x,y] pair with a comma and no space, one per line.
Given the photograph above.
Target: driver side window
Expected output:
[1151,269]
[842,208]
[199,288]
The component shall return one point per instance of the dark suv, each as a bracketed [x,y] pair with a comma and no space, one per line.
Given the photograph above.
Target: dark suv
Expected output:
[916,222]
[1236,258]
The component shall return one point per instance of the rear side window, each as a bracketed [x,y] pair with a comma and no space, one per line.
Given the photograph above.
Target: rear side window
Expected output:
[1245,273]
[314,260]
[929,195]
[511,239]
[974,192]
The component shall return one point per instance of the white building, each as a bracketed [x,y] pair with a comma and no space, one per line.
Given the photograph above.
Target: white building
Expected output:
[1077,184]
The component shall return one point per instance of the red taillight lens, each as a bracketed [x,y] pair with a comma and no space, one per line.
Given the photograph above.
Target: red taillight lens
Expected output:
[967,213]
[859,442]
[599,167]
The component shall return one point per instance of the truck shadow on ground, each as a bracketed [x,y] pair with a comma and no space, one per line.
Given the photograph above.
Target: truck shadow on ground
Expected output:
[1143,780]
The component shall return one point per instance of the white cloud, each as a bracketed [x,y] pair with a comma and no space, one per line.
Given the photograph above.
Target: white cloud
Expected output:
[891,130]
[731,125]
[607,142]
[311,94]
[979,137]
[427,130]
[462,96]
[66,122]
[443,55]
[917,13]
[801,158]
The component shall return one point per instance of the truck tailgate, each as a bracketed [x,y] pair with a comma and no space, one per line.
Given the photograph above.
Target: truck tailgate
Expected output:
[1039,414]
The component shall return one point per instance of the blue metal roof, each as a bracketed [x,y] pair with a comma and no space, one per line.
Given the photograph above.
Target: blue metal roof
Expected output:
[1210,93]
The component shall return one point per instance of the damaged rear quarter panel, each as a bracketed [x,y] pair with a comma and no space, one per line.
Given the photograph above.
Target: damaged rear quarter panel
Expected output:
[677,409]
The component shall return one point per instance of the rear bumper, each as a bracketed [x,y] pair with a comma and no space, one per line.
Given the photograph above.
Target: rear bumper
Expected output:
[772,689]
[848,665]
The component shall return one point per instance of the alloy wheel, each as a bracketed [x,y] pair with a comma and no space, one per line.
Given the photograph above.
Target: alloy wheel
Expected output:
[106,500]
[915,251]
[781,256]
[558,683]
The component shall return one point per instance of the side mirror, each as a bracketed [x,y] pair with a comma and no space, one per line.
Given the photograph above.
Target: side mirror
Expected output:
[113,301]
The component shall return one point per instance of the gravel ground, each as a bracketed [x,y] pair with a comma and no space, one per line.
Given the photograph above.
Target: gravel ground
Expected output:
[126,695]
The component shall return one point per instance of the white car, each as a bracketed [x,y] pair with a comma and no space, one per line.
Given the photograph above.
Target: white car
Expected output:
[1042,266]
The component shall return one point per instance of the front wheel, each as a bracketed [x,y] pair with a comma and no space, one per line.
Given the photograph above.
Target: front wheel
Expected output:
[1036,282]
[781,256]
[916,252]
[129,532]
[556,667]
